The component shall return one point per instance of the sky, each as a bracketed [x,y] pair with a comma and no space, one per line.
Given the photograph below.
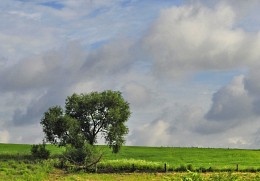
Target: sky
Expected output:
[189,69]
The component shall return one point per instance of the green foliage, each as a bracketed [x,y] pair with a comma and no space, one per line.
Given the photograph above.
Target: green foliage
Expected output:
[61,129]
[123,165]
[190,167]
[85,116]
[250,169]
[87,156]
[182,168]
[75,155]
[39,151]
[21,170]
[192,176]
[80,155]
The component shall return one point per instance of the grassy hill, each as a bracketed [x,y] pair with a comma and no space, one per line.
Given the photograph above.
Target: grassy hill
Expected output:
[197,157]
[14,164]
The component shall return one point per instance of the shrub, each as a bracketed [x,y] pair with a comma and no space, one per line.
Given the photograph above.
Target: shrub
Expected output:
[250,169]
[190,167]
[202,169]
[182,168]
[75,155]
[86,156]
[192,176]
[129,165]
[39,151]
[170,169]
[211,169]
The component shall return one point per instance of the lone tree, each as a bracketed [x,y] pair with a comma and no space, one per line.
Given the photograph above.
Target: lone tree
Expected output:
[85,116]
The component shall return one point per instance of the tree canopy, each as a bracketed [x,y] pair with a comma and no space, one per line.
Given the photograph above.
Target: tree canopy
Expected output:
[85,116]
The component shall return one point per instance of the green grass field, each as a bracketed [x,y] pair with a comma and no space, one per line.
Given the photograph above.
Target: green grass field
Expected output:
[197,157]
[14,166]
[16,149]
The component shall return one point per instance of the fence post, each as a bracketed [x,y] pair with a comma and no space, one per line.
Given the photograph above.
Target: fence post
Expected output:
[237,167]
[165,167]
[96,169]
[133,167]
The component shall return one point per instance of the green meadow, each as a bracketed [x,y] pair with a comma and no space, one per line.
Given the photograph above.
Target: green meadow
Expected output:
[197,157]
[181,163]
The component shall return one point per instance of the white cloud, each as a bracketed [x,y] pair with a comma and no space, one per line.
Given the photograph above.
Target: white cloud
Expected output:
[172,127]
[30,16]
[152,134]
[196,38]
[237,141]
[4,136]
[30,134]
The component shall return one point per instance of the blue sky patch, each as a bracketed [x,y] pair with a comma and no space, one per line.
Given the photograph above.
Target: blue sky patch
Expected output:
[218,77]
[53,4]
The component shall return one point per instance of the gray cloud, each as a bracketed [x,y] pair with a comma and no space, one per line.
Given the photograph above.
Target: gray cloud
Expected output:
[231,103]
[256,139]
[36,108]
[252,85]
[57,74]
[3,61]
[234,107]
[43,80]
[251,82]
[237,101]
[137,94]
[43,70]
[110,59]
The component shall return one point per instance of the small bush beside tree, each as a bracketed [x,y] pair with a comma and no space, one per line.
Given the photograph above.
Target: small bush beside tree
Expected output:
[39,151]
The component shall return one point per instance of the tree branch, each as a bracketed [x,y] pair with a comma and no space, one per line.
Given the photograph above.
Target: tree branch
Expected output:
[95,162]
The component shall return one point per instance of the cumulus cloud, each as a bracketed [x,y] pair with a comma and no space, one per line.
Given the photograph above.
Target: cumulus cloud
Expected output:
[195,38]
[237,101]
[187,127]
[154,133]
[234,113]
[171,128]
[231,103]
